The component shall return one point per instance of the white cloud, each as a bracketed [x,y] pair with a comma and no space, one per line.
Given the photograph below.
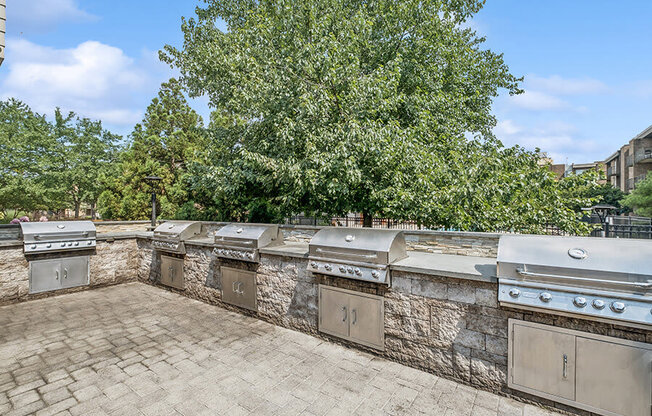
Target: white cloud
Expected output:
[93,79]
[43,15]
[506,127]
[557,85]
[536,100]
[560,140]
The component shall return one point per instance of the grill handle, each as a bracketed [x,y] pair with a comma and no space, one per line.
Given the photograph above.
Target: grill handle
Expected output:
[368,256]
[60,235]
[523,272]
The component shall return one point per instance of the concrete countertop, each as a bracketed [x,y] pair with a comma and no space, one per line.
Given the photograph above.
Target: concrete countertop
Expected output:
[289,249]
[200,241]
[448,265]
[11,243]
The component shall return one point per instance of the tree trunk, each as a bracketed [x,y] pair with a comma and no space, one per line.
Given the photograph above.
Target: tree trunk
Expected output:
[93,211]
[76,210]
[367,220]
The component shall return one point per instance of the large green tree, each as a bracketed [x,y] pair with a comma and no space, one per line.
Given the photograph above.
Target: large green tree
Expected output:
[640,199]
[85,151]
[169,138]
[380,107]
[26,145]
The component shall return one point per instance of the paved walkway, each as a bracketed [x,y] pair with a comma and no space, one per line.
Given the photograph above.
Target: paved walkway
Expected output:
[138,350]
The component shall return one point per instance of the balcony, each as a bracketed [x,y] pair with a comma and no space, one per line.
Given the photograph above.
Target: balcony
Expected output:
[645,157]
[629,161]
[613,171]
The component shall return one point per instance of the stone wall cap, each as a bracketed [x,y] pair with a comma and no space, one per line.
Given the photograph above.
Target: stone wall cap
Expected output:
[118,235]
[481,269]
[289,249]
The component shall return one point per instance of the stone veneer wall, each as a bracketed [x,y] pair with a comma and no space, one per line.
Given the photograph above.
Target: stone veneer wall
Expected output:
[451,327]
[112,263]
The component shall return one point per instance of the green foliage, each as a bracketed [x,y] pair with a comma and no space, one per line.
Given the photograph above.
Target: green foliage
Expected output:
[380,107]
[168,139]
[50,166]
[610,195]
[640,199]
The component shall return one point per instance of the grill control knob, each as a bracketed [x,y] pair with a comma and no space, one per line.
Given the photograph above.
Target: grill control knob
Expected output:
[545,297]
[89,243]
[313,265]
[618,307]
[579,301]
[342,269]
[349,269]
[48,245]
[357,271]
[250,255]
[33,246]
[514,293]
[69,244]
[598,304]
[63,244]
[76,243]
[375,274]
[328,267]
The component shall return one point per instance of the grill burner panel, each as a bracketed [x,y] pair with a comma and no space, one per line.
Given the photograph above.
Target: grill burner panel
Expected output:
[355,253]
[596,278]
[57,236]
[242,241]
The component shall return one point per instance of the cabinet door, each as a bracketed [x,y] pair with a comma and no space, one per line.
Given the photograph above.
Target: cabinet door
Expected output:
[172,272]
[367,323]
[614,377]
[74,271]
[229,285]
[543,361]
[333,312]
[44,275]
[246,289]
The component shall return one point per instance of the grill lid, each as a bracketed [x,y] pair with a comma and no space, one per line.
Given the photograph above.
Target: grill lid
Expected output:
[248,236]
[364,245]
[620,264]
[177,230]
[36,232]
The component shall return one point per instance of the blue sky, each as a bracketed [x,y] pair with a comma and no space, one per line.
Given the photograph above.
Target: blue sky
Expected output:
[587,65]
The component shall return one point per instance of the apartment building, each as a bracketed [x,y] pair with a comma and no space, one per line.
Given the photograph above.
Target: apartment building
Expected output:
[3,28]
[631,163]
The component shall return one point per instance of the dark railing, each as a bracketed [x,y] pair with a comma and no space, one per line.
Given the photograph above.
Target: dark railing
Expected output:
[353,221]
[643,156]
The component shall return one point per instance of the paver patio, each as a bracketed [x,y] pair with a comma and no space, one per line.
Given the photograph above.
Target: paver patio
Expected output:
[135,349]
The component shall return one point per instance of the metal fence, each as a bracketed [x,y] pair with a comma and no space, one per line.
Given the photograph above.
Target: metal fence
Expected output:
[615,226]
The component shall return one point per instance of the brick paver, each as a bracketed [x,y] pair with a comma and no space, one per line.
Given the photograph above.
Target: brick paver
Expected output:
[139,350]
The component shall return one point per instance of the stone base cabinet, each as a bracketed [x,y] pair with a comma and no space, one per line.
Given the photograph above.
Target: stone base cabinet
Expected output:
[239,288]
[58,273]
[172,272]
[605,375]
[354,316]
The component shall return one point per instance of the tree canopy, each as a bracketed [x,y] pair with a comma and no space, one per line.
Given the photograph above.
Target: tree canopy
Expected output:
[379,107]
[50,166]
[170,136]
[640,199]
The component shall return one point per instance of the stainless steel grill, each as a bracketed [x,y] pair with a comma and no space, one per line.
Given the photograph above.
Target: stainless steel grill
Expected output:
[356,253]
[604,279]
[243,241]
[170,235]
[57,236]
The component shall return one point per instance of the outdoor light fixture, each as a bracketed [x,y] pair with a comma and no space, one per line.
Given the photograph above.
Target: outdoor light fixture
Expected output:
[153,181]
[602,211]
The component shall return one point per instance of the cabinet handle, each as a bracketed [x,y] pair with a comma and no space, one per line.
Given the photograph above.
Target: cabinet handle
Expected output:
[240,292]
[344,310]
[56,274]
[65,273]
[565,367]
[355,316]
[233,287]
